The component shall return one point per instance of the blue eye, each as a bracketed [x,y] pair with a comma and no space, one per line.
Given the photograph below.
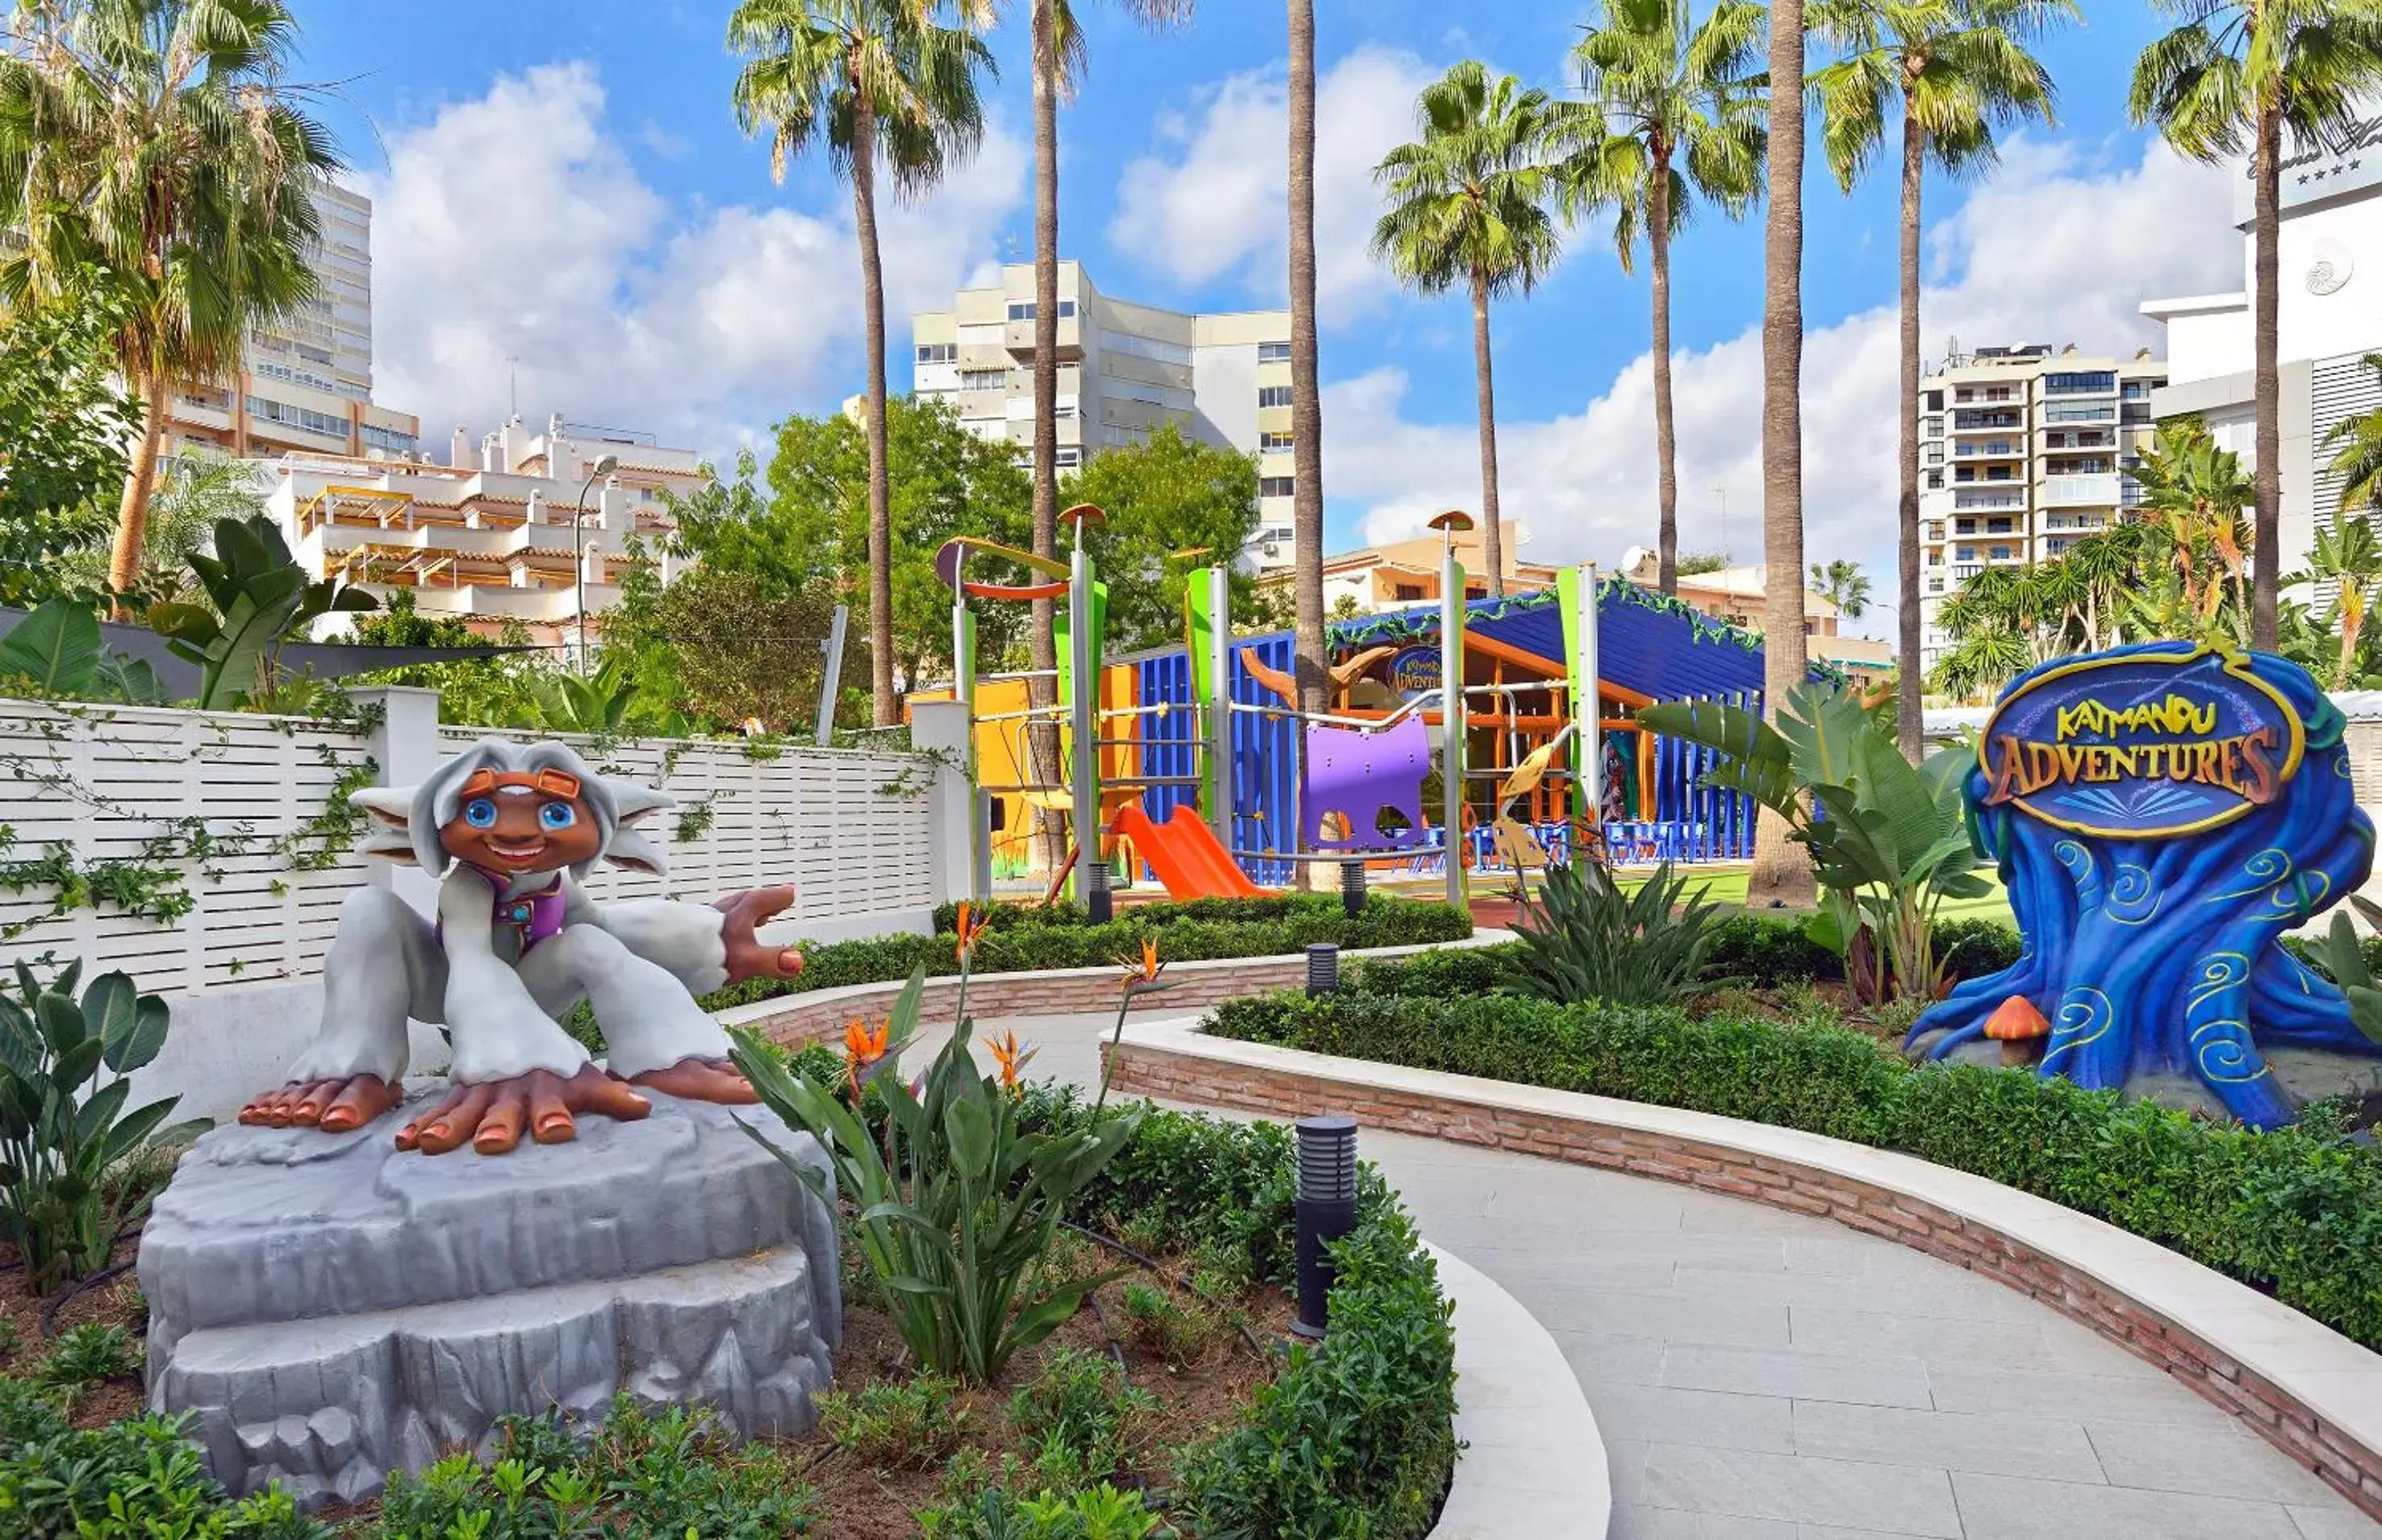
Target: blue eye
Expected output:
[480,813]
[557,816]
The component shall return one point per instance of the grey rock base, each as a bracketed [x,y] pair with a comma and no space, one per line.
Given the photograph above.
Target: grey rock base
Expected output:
[328,1309]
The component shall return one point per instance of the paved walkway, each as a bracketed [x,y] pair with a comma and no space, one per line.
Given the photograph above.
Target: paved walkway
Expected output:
[1763,1376]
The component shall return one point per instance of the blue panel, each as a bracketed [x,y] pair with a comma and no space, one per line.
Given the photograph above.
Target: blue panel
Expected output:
[1264,767]
[1171,740]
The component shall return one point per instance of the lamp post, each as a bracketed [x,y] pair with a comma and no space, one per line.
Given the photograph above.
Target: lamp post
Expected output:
[603,468]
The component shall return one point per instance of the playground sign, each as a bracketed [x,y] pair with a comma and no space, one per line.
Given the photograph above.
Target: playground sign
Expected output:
[2162,814]
[2139,747]
[1414,671]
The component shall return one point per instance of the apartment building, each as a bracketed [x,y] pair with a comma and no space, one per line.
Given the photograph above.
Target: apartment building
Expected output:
[2023,451]
[2329,308]
[306,381]
[1123,369]
[509,530]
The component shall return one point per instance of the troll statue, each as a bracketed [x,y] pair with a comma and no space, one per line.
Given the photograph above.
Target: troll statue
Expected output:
[514,827]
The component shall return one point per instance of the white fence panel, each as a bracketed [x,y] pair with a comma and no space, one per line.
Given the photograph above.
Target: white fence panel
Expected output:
[106,784]
[851,829]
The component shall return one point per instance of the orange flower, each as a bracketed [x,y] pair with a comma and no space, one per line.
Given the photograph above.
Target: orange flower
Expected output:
[1141,974]
[971,926]
[1011,1056]
[862,1048]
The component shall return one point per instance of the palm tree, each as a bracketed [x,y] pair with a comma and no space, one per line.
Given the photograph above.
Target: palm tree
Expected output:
[1679,119]
[1781,874]
[2197,490]
[865,78]
[2348,556]
[153,147]
[1845,585]
[2357,453]
[1309,660]
[1468,205]
[2238,72]
[2004,621]
[1959,70]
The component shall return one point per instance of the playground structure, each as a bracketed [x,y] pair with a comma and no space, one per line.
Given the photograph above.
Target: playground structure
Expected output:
[1194,764]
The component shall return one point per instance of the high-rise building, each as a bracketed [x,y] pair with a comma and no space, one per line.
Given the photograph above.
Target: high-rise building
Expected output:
[2022,452]
[306,381]
[2329,310]
[1123,369]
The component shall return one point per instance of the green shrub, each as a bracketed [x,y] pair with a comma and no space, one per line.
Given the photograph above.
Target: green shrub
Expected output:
[1178,1334]
[1078,1411]
[897,1423]
[88,1354]
[141,1476]
[997,1512]
[1355,1441]
[2296,1210]
[1586,937]
[1441,973]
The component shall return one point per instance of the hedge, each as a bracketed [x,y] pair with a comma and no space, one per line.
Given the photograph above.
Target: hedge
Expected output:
[2295,1211]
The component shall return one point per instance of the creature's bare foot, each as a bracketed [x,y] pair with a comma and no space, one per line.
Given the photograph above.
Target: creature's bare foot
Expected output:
[333,1105]
[494,1116]
[701,1079]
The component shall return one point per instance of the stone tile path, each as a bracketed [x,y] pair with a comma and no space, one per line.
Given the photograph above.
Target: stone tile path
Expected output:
[1763,1376]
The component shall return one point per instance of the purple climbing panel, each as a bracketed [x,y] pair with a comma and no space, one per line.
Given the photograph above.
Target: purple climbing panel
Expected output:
[1359,773]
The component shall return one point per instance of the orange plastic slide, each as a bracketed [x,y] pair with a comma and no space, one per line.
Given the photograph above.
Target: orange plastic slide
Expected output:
[1185,854]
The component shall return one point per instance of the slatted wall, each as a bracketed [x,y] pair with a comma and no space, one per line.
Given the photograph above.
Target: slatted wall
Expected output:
[106,780]
[851,829]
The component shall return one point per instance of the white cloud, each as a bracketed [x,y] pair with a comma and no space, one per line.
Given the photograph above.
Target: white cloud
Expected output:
[1212,200]
[2053,250]
[513,225]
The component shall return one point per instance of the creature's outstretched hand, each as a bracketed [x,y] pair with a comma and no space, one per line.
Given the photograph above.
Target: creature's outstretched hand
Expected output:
[492,1116]
[748,956]
[333,1105]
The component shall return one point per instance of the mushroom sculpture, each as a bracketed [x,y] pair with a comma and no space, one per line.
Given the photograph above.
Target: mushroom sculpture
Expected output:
[2019,1029]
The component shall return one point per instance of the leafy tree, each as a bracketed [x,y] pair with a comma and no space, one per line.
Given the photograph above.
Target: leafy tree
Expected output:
[865,78]
[944,481]
[1467,205]
[2357,454]
[2348,556]
[483,692]
[2198,491]
[722,646]
[1347,607]
[63,422]
[195,491]
[1680,106]
[2236,74]
[156,141]
[1168,494]
[1958,69]
[1690,563]
[1846,586]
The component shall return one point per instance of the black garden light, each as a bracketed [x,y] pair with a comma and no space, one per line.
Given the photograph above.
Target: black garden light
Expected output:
[1326,1210]
[1323,969]
[1098,905]
[1352,888]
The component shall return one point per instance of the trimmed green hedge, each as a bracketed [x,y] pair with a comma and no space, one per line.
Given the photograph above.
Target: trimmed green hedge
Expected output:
[1030,938]
[2294,1211]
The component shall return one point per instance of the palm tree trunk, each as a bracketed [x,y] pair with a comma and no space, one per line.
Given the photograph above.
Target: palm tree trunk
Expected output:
[880,502]
[1910,723]
[1305,406]
[1042,649]
[1666,438]
[132,515]
[2268,381]
[1781,872]
[1493,542]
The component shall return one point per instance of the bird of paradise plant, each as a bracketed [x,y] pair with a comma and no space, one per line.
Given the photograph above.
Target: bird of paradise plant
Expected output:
[1011,1055]
[1142,976]
[955,1205]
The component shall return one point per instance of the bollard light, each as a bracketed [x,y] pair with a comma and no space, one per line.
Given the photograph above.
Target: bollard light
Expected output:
[1325,1210]
[1323,969]
[1096,903]
[1352,888]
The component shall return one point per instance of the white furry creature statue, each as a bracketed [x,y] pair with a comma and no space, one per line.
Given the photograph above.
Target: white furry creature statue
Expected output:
[513,827]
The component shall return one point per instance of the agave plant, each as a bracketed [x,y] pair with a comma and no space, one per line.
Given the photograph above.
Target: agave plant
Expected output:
[1889,840]
[1586,937]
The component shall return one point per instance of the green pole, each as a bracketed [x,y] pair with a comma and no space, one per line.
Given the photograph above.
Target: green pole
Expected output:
[1576,598]
[1451,680]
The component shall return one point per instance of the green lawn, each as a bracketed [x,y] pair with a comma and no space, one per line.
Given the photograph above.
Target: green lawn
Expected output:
[1726,885]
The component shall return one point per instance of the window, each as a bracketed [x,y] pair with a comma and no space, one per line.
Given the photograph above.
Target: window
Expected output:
[2137,390]
[2000,553]
[1023,309]
[1273,396]
[1935,401]
[939,352]
[983,379]
[1930,427]
[1274,352]
[2096,382]
[1275,486]
[388,438]
[1069,458]
[1063,411]
[1406,592]
[1273,444]
[1965,526]
[1936,454]
[297,417]
[1934,585]
[1935,481]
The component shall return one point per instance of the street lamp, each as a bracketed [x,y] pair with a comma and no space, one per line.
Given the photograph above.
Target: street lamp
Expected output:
[603,468]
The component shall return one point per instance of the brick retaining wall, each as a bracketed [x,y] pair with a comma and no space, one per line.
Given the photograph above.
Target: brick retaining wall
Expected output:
[2351,1464]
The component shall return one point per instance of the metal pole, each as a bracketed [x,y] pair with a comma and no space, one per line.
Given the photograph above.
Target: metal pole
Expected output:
[1219,704]
[1450,680]
[1086,685]
[979,821]
[1588,707]
[579,564]
[833,682]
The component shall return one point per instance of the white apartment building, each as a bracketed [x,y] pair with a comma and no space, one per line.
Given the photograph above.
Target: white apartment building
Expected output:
[509,530]
[306,381]
[1123,369]
[2329,307]
[2023,451]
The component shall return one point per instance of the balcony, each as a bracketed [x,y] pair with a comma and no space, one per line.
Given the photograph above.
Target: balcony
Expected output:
[1997,448]
[1981,502]
[2072,413]
[1985,422]
[2080,491]
[1019,338]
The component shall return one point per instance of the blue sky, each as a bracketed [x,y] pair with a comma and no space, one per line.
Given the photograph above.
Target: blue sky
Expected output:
[562,181]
